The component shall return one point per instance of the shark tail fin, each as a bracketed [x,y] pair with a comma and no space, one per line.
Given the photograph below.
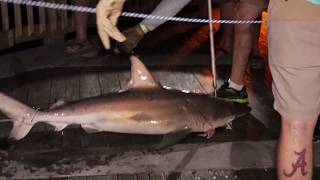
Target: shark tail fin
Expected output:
[20,114]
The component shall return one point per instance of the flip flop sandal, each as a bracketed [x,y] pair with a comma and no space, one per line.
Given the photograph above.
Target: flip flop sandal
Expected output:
[77,47]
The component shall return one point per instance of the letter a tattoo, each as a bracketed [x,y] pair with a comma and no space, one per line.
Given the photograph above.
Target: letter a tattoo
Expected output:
[300,163]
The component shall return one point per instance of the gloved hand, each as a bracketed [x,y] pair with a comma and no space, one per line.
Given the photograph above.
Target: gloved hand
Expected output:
[108,12]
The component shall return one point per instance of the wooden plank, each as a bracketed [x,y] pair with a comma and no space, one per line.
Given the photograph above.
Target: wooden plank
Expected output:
[4,16]
[42,20]
[63,16]
[72,91]
[52,19]
[57,91]
[156,176]
[179,80]
[109,82]
[18,21]
[124,78]
[142,176]
[187,81]
[65,88]
[30,15]
[204,77]
[125,177]
[6,39]
[89,85]
[187,175]
[202,174]
[39,94]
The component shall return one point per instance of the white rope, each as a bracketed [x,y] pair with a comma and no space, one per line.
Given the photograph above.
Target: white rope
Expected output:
[125,14]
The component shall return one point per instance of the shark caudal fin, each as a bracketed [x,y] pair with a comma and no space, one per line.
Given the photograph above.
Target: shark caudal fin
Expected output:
[20,114]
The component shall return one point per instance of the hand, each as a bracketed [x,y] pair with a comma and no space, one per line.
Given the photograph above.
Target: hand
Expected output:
[108,12]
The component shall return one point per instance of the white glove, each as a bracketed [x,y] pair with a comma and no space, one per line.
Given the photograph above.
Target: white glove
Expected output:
[108,12]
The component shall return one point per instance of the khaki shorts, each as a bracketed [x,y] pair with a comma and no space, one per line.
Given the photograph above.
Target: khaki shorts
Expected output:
[296,10]
[294,59]
[260,3]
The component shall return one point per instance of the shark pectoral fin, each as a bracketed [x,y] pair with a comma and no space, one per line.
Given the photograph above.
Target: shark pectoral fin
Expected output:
[173,138]
[58,126]
[20,130]
[58,103]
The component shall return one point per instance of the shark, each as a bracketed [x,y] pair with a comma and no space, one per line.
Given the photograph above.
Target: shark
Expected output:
[144,107]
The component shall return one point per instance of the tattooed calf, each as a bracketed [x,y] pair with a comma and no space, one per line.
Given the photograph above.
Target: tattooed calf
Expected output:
[300,163]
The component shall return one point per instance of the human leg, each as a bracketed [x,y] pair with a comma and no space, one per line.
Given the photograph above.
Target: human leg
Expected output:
[227,13]
[299,109]
[243,40]
[81,25]
[234,89]
[294,43]
[295,149]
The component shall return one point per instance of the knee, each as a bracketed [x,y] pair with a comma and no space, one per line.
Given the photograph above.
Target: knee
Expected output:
[243,28]
[298,126]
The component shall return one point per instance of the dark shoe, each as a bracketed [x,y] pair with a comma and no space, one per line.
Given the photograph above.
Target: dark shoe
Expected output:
[231,94]
[133,36]
[316,135]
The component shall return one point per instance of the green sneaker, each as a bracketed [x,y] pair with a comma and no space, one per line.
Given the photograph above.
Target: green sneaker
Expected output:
[133,36]
[231,94]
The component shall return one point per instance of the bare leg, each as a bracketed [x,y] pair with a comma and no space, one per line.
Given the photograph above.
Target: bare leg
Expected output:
[227,13]
[81,24]
[242,40]
[295,149]
[81,21]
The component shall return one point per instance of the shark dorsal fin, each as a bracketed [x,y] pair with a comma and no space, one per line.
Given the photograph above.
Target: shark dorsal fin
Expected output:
[141,78]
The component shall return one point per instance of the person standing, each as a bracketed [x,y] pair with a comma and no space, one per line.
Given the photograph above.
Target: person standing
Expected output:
[294,60]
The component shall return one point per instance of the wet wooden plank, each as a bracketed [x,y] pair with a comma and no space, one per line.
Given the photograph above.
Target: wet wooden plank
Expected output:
[156,176]
[202,174]
[125,177]
[39,94]
[18,21]
[204,77]
[30,17]
[109,82]
[4,16]
[142,176]
[57,91]
[63,16]
[52,19]
[181,80]
[42,20]
[72,91]
[65,88]
[187,81]
[187,175]
[89,85]
[124,78]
